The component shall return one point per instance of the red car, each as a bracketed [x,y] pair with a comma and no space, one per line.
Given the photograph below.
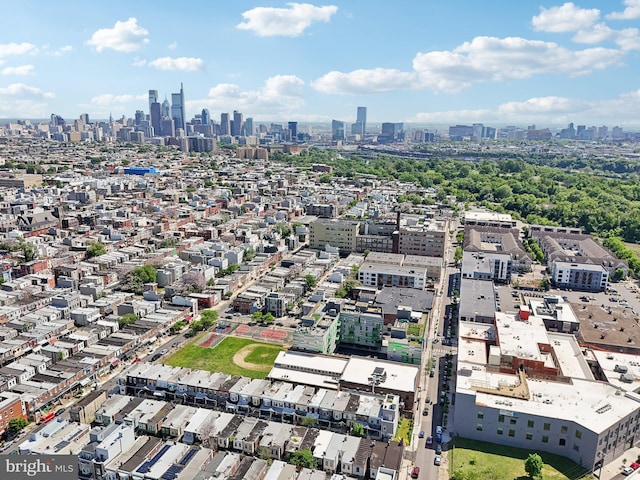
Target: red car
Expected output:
[635,465]
[415,472]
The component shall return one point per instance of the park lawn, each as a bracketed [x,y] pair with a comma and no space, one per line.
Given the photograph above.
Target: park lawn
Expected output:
[220,358]
[501,462]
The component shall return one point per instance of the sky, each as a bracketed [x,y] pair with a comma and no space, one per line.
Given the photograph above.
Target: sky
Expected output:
[497,62]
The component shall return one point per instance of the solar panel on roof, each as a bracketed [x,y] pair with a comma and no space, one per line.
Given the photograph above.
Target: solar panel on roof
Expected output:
[189,455]
[172,472]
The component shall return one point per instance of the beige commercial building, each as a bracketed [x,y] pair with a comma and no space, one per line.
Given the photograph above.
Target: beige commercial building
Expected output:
[337,233]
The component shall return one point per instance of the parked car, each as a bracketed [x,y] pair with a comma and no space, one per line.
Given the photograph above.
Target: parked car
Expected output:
[437,460]
[428,400]
[421,434]
[429,441]
[163,351]
[425,411]
[155,357]
[627,471]
[439,429]
[415,472]
[60,411]
[438,449]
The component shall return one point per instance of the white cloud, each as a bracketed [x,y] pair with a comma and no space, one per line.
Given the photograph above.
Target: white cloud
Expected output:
[546,111]
[123,37]
[596,33]
[496,59]
[289,22]
[566,18]
[377,80]
[172,46]
[66,49]
[540,105]
[20,70]
[108,99]
[484,59]
[278,96]
[184,64]
[22,100]
[24,48]
[631,12]
[139,62]
[628,39]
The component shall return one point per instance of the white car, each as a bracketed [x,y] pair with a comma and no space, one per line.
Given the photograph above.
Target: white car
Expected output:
[437,460]
[439,429]
[627,471]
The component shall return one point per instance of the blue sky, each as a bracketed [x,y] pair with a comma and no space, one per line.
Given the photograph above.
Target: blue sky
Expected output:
[435,62]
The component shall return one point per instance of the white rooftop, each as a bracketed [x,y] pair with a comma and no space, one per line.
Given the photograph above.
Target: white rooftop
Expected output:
[400,377]
[595,405]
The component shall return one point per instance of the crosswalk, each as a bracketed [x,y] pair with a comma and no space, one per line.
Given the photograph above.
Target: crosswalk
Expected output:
[441,351]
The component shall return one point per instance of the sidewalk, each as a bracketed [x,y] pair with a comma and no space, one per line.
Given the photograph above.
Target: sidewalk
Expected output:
[614,468]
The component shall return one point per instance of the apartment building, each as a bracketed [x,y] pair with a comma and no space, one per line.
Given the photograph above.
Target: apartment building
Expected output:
[520,385]
[339,234]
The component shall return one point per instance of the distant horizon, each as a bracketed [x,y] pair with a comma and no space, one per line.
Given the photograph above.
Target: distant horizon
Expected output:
[414,125]
[433,63]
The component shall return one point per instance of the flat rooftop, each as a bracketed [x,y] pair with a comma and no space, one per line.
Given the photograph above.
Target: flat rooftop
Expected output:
[595,405]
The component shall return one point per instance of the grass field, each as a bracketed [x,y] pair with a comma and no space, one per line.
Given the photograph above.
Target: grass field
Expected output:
[634,247]
[220,358]
[500,462]
[405,427]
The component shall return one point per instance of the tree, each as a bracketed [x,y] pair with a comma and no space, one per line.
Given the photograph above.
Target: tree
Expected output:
[357,430]
[310,282]
[249,254]
[268,318]
[458,254]
[308,421]
[29,252]
[127,319]
[17,424]
[208,318]
[193,281]
[303,458]
[144,274]
[257,316]
[533,466]
[96,249]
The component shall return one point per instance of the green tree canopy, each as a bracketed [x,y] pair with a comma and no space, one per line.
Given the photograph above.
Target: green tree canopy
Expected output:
[96,249]
[303,458]
[144,274]
[310,282]
[357,430]
[17,424]
[533,466]
[127,319]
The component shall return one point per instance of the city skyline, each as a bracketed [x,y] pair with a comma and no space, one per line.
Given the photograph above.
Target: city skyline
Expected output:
[457,62]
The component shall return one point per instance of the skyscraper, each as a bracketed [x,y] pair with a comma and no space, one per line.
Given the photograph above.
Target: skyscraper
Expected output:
[225,124]
[338,130]
[237,124]
[177,109]
[293,131]
[248,126]
[153,98]
[206,118]
[156,117]
[165,111]
[360,127]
